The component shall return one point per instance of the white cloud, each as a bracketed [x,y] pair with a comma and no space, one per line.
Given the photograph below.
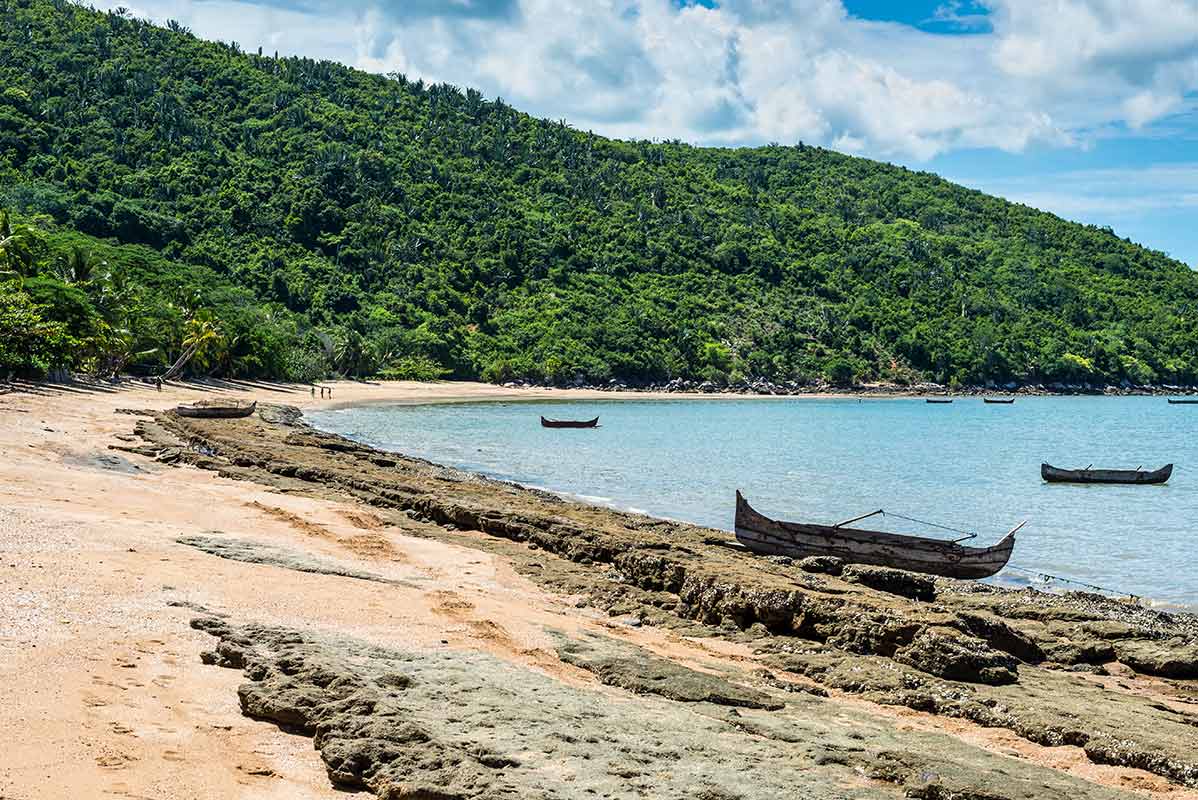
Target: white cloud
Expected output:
[1130,61]
[749,71]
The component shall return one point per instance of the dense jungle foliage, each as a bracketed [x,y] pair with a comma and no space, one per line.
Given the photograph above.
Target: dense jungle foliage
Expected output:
[283,217]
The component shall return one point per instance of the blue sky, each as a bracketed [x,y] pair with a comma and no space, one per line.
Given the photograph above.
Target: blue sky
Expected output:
[1086,108]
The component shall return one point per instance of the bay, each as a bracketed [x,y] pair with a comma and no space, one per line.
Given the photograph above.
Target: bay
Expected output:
[967,465]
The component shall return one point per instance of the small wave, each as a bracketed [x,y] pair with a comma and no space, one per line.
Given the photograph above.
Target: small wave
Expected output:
[1056,585]
[591,498]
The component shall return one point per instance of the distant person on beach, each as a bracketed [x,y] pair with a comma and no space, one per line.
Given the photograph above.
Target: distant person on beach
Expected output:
[158,383]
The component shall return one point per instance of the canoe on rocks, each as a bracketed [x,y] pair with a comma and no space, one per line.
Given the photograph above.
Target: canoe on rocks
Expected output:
[217,409]
[1055,475]
[763,535]
[569,423]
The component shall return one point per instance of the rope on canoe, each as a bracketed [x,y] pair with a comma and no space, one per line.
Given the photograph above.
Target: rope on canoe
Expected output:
[966,534]
[1037,573]
[1047,577]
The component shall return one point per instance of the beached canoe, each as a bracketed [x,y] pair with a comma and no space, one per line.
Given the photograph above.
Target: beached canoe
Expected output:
[569,423]
[934,400]
[997,401]
[1186,402]
[763,535]
[1054,475]
[217,409]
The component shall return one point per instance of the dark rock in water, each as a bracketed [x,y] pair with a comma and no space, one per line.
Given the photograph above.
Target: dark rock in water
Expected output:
[828,565]
[641,672]
[893,581]
[1174,658]
[948,654]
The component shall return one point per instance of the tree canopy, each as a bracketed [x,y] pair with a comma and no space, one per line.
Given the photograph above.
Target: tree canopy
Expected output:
[302,217]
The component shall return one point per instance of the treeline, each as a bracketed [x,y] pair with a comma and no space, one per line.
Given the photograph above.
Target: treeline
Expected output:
[71,301]
[305,218]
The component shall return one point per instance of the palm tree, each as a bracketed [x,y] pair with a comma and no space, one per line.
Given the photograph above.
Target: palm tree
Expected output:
[16,241]
[79,266]
[114,349]
[351,355]
[201,335]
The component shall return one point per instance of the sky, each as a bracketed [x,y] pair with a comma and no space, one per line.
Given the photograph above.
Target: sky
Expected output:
[1086,108]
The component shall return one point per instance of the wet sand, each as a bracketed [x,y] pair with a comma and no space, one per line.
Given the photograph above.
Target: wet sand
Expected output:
[102,687]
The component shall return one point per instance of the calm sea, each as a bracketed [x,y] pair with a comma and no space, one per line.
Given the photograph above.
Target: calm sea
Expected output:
[967,465]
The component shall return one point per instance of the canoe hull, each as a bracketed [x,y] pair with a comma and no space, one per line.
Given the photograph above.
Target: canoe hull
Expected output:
[569,423]
[1129,476]
[214,411]
[937,402]
[763,535]
[994,402]
[1173,402]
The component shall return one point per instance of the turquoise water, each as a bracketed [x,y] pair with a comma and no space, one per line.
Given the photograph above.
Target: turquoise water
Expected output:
[967,465]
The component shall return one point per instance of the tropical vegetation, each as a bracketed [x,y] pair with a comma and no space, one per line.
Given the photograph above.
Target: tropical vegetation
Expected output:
[182,207]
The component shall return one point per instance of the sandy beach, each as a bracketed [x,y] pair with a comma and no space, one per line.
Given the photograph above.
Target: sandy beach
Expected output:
[101,693]
[109,557]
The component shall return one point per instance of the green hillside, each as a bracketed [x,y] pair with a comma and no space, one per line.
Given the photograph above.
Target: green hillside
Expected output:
[298,217]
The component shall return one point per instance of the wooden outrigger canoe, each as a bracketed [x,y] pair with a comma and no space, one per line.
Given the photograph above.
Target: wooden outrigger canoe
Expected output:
[997,401]
[934,400]
[761,534]
[1135,476]
[1186,402]
[217,409]
[569,423]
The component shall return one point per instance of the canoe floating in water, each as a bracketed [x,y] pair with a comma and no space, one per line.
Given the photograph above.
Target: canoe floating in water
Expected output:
[217,409]
[1054,475]
[934,400]
[761,534]
[569,423]
[998,401]
[1186,402]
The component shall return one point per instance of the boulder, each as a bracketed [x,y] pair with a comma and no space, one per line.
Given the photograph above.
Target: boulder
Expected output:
[827,565]
[1172,658]
[892,581]
[1084,652]
[948,654]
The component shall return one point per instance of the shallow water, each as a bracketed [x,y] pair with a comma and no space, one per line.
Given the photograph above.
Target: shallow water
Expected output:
[967,465]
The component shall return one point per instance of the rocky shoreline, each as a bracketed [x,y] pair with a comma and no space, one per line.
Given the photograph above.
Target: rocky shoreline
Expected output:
[819,387]
[1114,680]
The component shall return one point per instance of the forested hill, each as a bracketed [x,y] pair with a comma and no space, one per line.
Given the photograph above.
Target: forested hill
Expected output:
[288,217]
